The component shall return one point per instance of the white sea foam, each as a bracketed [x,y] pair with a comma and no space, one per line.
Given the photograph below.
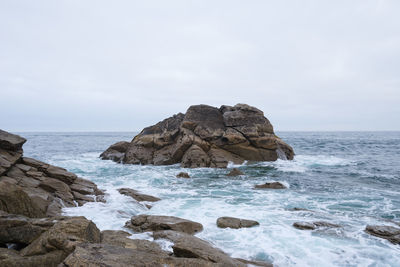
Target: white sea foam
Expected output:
[209,194]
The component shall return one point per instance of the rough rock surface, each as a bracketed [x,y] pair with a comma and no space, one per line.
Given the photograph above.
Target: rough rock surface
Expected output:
[36,189]
[137,195]
[235,223]
[204,137]
[147,223]
[273,185]
[387,232]
[314,225]
[235,172]
[188,246]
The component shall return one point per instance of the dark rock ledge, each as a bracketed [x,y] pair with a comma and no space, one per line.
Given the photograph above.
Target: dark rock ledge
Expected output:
[204,137]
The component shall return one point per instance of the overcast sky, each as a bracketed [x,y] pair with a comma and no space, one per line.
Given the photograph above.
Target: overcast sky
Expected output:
[97,65]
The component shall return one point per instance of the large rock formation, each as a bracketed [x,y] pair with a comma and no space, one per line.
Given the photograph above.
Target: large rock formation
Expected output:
[204,137]
[36,189]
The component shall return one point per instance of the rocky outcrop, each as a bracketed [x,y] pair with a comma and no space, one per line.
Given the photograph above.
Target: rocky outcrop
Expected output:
[137,195]
[36,189]
[147,223]
[235,223]
[204,137]
[314,225]
[272,185]
[187,246]
[386,232]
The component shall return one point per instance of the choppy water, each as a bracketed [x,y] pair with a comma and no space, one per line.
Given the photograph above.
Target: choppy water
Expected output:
[349,178]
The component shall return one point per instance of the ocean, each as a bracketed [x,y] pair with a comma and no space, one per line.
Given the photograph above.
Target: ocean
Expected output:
[346,178]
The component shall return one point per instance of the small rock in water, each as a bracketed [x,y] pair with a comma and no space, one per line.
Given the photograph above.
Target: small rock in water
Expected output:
[183,175]
[255,263]
[137,195]
[314,225]
[300,209]
[273,185]
[235,223]
[235,172]
[387,232]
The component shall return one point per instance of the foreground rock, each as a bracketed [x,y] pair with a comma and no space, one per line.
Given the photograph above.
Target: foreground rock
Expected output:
[235,223]
[147,223]
[183,175]
[204,137]
[235,172]
[273,185]
[314,225]
[36,189]
[387,232]
[188,246]
[137,196]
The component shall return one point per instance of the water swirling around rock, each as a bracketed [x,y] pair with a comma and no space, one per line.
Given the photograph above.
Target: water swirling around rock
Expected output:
[347,178]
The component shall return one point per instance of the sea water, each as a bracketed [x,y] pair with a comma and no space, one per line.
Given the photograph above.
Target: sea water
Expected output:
[346,178]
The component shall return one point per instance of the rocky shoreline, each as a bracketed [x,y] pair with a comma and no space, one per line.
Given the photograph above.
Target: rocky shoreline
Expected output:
[33,231]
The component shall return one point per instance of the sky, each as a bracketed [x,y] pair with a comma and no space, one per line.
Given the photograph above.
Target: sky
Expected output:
[95,65]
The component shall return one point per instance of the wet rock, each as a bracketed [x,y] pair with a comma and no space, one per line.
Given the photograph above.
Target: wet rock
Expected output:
[183,175]
[204,137]
[235,223]
[188,246]
[314,225]
[255,263]
[115,152]
[300,209]
[272,185]
[146,223]
[235,172]
[11,258]
[386,232]
[137,196]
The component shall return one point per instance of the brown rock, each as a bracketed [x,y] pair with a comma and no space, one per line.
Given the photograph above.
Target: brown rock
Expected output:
[314,225]
[188,246]
[386,232]
[137,196]
[10,141]
[235,172]
[204,137]
[183,175]
[11,258]
[146,223]
[235,223]
[64,235]
[14,200]
[273,185]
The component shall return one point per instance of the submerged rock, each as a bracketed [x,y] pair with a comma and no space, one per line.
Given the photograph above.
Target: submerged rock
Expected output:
[386,232]
[36,189]
[273,185]
[314,225]
[137,196]
[146,223]
[235,172]
[183,175]
[235,223]
[204,137]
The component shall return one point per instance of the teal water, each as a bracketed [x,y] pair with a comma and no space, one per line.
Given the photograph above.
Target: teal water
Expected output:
[349,178]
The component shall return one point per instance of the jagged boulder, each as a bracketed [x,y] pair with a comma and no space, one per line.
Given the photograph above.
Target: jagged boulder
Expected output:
[34,188]
[204,137]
